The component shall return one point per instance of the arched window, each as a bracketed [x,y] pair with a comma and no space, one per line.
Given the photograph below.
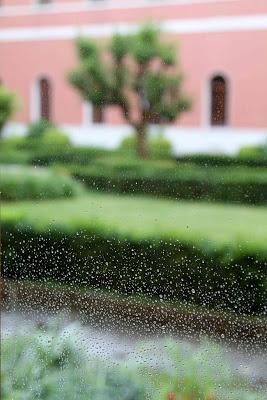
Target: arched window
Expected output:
[218,112]
[45,99]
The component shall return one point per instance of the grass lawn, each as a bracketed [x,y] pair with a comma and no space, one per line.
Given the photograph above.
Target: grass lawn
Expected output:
[145,217]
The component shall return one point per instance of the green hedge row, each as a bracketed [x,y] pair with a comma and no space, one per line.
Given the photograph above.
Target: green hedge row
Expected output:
[224,184]
[232,276]
[70,155]
[26,183]
[42,152]
[209,160]
[21,151]
[13,156]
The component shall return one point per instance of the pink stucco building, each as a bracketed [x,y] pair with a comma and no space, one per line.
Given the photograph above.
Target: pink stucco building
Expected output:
[223,52]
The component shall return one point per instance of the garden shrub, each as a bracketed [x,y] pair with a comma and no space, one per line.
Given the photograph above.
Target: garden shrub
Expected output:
[50,140]
[252,156]
[13,156]
[128,146]
[187,181]
[68,155]
[37,129]
[52,147]
[35,183]
[14,142]
[253,152]
[53,137]
[54,362]
[159,147]
[50,364]
[180,267]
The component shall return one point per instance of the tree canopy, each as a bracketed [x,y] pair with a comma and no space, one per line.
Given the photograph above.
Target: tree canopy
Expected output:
[137,72]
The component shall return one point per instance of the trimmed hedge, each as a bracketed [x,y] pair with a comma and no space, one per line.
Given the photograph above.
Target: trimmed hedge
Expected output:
[190,182]
[232,276]
[35,183]
[159,147]
[221,160]
[51,147]
[13,156]
[70,155]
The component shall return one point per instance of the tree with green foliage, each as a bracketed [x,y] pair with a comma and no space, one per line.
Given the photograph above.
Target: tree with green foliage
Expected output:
[7,106]
[137,72]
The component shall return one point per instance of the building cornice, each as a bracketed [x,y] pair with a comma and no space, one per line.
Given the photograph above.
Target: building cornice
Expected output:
[175,26]
[90,5]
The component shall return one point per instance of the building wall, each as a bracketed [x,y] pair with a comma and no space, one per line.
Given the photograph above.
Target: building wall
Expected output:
[227,37]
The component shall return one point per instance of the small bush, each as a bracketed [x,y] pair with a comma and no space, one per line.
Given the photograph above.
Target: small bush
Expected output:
[222,160]
[253,152]
[29,183]
[68,155]
[51,365]
[13,142]
[166,179]
[252,156]
[37,129]
[159,147]
[128,145]
[12,151]
[12,156]
[53,137]
[54,363]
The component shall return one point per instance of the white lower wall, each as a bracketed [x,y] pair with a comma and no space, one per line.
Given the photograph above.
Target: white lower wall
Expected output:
[184,140]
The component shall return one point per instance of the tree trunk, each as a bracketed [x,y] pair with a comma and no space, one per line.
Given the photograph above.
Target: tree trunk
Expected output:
[142,148]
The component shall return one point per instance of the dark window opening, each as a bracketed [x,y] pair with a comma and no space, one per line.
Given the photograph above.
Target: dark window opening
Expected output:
[45,99]
[218,101]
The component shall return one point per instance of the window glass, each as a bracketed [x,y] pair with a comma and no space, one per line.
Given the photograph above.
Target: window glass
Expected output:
[133,156]
[218,101]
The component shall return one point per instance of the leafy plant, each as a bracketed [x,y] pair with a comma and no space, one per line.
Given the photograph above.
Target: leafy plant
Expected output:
[37,129]
[50,364]
[167,179]
[107,245]
[54,138]
[138,73]
[159,147]
[35,183]
[53,362]
[253,152]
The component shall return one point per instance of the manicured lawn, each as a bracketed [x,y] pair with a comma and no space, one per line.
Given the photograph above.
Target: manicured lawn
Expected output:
[145,217]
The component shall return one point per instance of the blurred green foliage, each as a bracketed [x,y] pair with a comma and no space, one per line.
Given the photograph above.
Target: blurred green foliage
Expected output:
[124,70]
[167,179]
[7,106]
[143,245]
[37,129]
[53,363]
[49,364]
[25,183]
[159,147]
[254,152]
